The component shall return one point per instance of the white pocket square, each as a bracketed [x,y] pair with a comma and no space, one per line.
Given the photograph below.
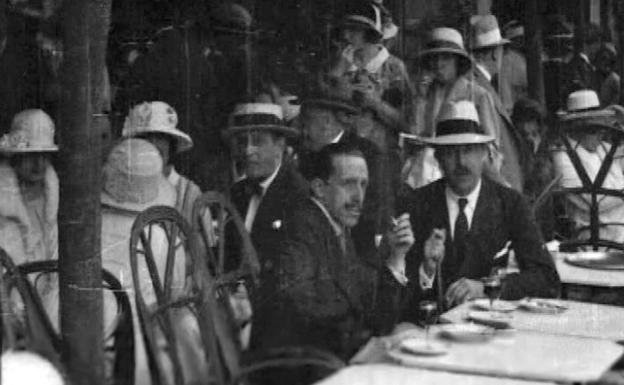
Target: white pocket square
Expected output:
[277,224]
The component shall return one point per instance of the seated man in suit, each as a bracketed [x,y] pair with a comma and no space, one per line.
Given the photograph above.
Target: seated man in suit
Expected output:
[328,297]
[330,120]
[464,221]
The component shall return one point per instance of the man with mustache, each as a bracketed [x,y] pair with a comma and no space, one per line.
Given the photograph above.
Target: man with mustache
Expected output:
[328,297]
[464,222]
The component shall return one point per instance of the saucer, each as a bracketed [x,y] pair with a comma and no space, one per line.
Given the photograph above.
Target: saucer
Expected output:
[499,305]
[540,305]
[492,319]
[466,332]
[420,347]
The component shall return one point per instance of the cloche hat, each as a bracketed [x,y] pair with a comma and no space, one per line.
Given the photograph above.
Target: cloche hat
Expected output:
[32,130]
[445,40]
[133,177]
[364,14]
[258,116]
[156,117]
[584,106]
[485,32]
[458,123]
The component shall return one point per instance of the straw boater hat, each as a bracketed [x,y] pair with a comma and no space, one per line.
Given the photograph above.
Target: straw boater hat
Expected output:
[583,107]
[258,116]
[445,40]
[133,177]
[31,131]
[458,123]
[364,14]
[485,32]
[156,118]
[513,30]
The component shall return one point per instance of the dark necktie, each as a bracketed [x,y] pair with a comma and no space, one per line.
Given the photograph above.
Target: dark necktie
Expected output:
[252,188]
[461,228]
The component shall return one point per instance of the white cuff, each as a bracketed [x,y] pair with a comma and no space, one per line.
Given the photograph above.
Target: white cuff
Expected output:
[426,281]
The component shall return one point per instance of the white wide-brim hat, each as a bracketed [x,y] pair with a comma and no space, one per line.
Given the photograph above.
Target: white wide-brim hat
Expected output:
[32,130]
[258,117]
[133,177]
[156,117]
[458,124]
[485,32]
[584,106]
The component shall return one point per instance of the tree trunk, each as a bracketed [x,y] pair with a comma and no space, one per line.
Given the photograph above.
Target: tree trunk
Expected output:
[535,71]
[85,28]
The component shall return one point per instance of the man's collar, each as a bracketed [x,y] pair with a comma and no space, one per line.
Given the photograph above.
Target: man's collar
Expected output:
[338,137]
[471,197]
[338,228]
[484,71]
[267,182]
[375,64]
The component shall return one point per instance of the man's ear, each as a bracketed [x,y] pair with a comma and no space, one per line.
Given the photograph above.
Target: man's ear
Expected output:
[317,186]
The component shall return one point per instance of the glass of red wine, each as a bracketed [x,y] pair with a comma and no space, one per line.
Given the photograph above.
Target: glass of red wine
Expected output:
[428,312]
[492,286]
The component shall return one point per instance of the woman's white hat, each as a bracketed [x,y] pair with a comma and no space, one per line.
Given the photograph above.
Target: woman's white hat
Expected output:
[458,123]
[133,177]
[31,131]
[485,32]
[584,105]
[156,117]
[258,116]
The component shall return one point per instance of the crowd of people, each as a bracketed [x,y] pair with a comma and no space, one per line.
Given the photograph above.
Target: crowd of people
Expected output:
[371,191]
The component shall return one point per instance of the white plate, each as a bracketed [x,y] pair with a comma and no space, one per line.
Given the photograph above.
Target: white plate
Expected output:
[493,319]
[540,305]
[499,305]
[466,332]
[420,347]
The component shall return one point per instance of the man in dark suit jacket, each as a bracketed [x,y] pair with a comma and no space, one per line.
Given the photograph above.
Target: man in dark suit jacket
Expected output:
[488,54]
[271,185]
[464,222]
[328,120]
[328,297]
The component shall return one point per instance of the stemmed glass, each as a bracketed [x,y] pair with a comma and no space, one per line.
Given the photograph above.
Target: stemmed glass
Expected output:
[492,286]
[428,312]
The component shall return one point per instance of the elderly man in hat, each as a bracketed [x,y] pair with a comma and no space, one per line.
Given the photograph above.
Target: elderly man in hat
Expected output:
[465,224]
[487,50]
[586,124]
[258,133]
[328,297]
[157,123]
[29,189]
[366,71]
[326,120]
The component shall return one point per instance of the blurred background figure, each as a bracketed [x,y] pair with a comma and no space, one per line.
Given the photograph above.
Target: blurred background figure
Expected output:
[512,80]
[607,81]
[23,367]
[29,188]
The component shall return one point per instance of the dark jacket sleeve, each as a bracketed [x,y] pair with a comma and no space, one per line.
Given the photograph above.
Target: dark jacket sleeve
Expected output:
[538,276]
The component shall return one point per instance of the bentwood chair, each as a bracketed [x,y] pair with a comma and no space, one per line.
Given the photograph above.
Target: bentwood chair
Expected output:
[217,328]
[30,327]
[123,340]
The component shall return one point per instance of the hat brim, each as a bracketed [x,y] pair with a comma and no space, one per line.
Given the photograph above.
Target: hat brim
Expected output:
[457,139]
[424,55]
[14,150]
[288,132]
[359,21]
[598,116]
[166,197]
[183,141]
[330,104]
[501,42]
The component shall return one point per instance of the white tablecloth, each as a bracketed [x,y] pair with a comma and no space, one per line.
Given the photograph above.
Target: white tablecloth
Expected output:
[589,277]
[582,319]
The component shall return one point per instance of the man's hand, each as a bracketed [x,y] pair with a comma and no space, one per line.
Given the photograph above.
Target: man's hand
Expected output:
[464,290]
[400,240]
[434,250]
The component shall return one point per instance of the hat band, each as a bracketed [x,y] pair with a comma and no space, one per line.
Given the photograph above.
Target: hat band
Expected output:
[256,119]
[458,126]
[130,188]
[587,109]
[489,38]
[435,44]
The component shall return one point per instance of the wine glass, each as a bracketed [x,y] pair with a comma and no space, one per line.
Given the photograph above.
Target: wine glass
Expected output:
[428,310]
[492,286]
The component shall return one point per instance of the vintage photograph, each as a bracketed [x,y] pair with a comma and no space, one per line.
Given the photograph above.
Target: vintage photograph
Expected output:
[298,192]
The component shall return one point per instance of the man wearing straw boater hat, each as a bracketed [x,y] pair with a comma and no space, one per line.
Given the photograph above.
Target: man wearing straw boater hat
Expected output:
[487,49]
[258,133]
[586,125]
[465,224]
[29,189]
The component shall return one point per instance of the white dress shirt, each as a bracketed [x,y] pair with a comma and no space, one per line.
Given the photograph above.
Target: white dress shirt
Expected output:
[452,206]
[254,202]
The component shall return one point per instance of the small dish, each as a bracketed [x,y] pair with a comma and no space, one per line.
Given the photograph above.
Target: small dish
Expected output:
[541,305]
[466,332]
[492,319]
[499,305]
[421,347]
